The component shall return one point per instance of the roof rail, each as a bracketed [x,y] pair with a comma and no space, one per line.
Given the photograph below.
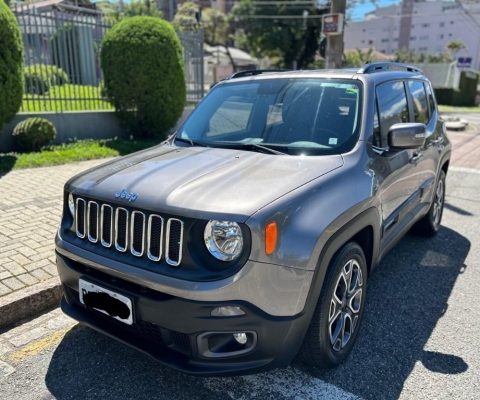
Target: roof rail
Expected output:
[384,66]
[253,72]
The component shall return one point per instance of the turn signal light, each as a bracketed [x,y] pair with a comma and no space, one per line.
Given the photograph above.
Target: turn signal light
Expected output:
[270,238]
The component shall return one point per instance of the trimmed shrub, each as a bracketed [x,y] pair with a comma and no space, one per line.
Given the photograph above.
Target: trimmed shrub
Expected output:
[39,78]
[33,133]
[11,65]
[142,62]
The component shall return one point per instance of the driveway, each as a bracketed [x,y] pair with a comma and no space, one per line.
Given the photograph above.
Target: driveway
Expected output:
[420,338]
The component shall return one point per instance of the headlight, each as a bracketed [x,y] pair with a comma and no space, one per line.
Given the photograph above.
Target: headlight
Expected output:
[224,239]
[71,204]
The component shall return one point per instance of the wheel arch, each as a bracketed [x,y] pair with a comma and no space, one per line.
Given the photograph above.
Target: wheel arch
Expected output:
[364,229]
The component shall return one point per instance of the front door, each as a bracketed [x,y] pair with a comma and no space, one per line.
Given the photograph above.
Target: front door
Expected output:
[398,178]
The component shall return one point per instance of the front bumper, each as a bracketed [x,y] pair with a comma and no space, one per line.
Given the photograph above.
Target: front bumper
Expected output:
[167,327]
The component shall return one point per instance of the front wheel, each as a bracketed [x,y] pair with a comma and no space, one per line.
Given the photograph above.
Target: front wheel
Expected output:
[430,223]
[336,320]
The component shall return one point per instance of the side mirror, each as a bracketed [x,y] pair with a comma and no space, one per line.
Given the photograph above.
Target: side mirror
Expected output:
[409,135]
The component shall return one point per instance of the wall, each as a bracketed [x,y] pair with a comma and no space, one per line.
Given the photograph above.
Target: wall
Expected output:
[77,125]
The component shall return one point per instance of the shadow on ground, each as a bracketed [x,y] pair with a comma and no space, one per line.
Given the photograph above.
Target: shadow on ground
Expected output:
[6,164]
[408,294]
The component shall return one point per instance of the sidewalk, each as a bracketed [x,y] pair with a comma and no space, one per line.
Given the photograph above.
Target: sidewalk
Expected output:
[30,211]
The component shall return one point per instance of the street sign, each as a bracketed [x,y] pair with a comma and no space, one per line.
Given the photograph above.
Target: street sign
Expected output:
[464,62]
[332,24]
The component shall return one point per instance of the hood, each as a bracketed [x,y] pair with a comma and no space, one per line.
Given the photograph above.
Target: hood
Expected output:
[201,182]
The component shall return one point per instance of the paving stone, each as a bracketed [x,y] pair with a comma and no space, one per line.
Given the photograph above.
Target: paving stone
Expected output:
[6,369]
[13,283]
[4,349]
[5,275]
[40,274]
[29,336]
[36,265]
[4,289]
[20,259]
[28,279]
[51,269]
[14,268]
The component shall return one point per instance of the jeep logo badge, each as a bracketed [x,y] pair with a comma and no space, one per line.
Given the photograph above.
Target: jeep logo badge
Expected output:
[123,194]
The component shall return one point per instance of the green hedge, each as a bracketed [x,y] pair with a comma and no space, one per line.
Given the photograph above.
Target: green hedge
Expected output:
[144,76]
[40,77]
[11,65]
[33,133]
[464,96]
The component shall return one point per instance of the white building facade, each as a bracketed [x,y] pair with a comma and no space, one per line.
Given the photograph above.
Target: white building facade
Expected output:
[425,26]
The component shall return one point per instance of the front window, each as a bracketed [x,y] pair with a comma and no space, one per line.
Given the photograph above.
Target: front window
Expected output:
[292,116]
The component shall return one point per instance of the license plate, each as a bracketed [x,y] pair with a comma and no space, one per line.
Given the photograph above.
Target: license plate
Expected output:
[113,304]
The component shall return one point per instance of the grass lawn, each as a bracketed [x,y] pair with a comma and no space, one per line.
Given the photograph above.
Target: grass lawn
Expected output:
[71,152]
[66,98]
[452,109]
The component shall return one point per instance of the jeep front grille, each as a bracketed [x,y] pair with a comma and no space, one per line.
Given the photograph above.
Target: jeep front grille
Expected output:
[140,233]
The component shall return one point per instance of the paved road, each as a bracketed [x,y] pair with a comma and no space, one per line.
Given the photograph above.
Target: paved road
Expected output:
[420,338]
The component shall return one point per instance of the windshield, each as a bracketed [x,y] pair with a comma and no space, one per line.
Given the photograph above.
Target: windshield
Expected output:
[294,116]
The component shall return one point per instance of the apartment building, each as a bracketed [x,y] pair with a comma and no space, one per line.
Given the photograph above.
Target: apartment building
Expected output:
[425,26]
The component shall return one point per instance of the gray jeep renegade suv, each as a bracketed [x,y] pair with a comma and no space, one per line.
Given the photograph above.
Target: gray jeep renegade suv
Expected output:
[248,237]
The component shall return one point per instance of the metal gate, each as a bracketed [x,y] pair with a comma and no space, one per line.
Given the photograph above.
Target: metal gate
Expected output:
[192,43]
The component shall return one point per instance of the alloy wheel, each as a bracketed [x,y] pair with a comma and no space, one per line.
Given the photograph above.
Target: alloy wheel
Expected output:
[345,305]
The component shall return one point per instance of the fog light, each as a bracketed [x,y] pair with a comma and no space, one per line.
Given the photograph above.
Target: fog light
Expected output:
[240,337]
[229,311]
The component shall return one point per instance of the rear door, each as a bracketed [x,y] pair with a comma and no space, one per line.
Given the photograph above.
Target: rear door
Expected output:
[424,110]
[397,177]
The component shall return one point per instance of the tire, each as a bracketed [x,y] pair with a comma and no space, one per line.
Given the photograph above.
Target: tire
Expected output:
[321,347]
[430,224]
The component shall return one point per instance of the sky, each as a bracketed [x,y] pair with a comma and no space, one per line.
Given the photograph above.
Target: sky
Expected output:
[359,11]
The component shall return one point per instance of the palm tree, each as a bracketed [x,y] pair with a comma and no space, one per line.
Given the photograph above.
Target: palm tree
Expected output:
[455,46]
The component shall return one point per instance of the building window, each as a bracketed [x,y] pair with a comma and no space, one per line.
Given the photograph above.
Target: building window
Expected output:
[364,30]
[413,38]
[363,41]
[424,37]
[413,26]
[382,51]
[425,25]
[442,25]
[452,22]
[370,42]
[395,40]
[449,35]
[385,40]
[371,31]
[386,29]
[441,36]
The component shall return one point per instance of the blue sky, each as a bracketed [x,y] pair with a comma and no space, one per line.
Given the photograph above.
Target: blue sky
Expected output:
[359,11]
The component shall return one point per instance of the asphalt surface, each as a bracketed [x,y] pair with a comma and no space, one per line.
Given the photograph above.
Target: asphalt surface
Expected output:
[420,337]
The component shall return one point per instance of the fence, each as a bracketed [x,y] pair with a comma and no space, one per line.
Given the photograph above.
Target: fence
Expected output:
[68,39]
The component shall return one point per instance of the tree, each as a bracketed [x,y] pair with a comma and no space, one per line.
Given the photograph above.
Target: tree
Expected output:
[409,56]
[186,17]
[455,46]
[215,26]
[289,39]
[144,74]
[11,65]
[115,13]
[358,57]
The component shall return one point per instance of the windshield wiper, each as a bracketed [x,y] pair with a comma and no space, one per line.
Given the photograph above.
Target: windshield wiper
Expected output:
[190,142]
[252,146]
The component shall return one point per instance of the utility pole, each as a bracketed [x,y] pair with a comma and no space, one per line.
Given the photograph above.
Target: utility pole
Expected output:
[334,52]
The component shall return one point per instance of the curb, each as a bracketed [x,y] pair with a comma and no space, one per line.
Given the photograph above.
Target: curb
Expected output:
[30,301]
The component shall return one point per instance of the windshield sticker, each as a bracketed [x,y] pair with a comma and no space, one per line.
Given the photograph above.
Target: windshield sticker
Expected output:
[332,140]
[351,90]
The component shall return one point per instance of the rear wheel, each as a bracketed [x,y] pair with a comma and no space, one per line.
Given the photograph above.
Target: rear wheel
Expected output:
[336,320]
[430,223]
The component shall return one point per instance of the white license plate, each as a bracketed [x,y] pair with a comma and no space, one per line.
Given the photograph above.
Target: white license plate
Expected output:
[105,301]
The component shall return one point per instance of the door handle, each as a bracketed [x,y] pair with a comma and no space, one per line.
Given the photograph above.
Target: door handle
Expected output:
[416,158]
